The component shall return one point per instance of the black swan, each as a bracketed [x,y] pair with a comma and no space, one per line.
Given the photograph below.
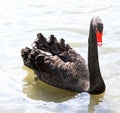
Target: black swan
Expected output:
[64,67]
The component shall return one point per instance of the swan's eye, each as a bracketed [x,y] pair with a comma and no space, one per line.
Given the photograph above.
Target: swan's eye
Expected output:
[100,27]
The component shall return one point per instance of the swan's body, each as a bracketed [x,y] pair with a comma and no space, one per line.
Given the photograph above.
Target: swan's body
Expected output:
[65,68]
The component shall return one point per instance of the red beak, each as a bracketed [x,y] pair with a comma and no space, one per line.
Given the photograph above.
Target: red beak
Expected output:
[99,38]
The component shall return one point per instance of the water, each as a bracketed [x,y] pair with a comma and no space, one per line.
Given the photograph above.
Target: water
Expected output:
[21,20]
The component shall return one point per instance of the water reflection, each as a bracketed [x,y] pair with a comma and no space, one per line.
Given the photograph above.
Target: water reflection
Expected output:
[67,19]
[94,101]
[38,90]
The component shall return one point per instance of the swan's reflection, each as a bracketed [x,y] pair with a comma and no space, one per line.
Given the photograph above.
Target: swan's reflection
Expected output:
[38,90]
[94,101]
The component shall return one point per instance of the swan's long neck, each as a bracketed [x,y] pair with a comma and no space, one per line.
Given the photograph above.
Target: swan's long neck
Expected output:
[97,85]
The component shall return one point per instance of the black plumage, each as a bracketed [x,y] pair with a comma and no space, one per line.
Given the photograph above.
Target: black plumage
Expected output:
[65,68]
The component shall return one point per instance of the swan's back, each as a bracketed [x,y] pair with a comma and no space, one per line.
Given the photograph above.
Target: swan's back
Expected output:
[64,68]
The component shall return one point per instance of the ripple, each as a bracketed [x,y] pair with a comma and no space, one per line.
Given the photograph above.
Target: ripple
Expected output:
[21,20]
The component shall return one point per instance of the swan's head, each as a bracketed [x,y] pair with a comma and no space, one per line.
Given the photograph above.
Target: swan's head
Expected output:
[98,29]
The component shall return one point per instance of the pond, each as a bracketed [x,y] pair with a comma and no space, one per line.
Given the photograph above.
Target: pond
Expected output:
[21,20]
